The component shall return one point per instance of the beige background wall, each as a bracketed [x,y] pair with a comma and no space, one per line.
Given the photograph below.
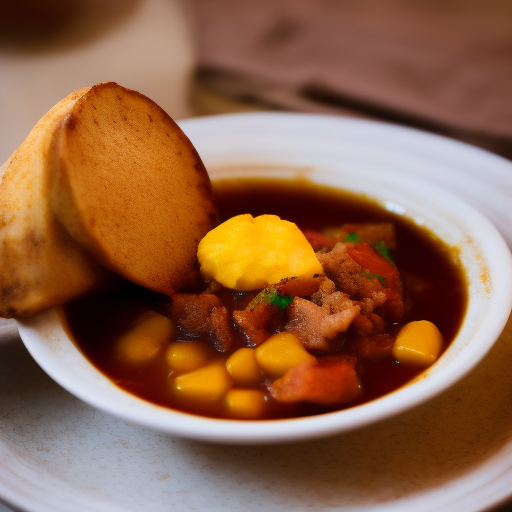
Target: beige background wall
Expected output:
[142,44]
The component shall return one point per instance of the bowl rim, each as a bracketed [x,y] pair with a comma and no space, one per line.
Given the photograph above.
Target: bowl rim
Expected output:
[38,335]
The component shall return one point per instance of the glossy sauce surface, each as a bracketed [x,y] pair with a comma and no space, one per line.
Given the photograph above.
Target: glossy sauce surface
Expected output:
[432,280]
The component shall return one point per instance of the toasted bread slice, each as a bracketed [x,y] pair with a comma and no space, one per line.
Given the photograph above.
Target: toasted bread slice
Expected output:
[130,188]
[40,265]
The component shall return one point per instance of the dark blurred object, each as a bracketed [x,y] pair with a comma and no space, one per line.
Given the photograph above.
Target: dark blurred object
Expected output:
[507,507]
[33,18]
[439,65]
[42,25]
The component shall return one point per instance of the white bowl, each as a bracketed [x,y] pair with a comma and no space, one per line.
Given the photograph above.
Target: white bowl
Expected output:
[382,161]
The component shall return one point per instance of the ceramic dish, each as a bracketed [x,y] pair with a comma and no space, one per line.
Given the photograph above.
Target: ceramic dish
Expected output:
[272,146]
[454,452]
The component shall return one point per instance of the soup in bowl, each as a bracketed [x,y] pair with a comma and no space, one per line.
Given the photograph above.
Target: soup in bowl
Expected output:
[424,257]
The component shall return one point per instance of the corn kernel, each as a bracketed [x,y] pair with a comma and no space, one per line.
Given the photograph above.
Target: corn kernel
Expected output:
[246,253]
[280,353]
[156,326]
[187,355]
[141,316]
[418,343]
[243,368]
[245,403]
[207,383]
[143,342]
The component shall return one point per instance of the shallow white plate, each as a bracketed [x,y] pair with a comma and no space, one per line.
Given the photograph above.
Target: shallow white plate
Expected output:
[450,454]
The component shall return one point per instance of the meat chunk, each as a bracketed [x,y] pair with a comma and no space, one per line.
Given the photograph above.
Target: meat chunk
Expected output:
[203,315]
[221,332]
[300,286]
[366,276]
[256,318]
[325,289]
[347,274]
[337,302]
[254,322]
[331,380]
[373,347]
[376,264]
[316,325]
[367,321]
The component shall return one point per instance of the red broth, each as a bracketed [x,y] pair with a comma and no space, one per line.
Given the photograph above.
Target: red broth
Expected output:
[433,283]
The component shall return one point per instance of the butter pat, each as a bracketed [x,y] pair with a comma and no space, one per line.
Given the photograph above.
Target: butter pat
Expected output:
[249,253]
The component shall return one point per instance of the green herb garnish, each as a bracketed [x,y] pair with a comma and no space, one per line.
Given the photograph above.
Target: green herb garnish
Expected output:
[381,248]
[352,237]
[272,297]
[282,302]
[370,275]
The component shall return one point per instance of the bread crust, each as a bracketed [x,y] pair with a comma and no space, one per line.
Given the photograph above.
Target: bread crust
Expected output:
[40,264]
[130,188]
[106,181]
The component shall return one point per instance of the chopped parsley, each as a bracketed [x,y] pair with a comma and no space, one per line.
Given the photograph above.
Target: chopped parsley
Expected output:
[272,297]
[381,248]
[352,237]
[282,302]
[370,275]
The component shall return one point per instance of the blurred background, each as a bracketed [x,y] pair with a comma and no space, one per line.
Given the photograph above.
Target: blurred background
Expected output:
[440,65]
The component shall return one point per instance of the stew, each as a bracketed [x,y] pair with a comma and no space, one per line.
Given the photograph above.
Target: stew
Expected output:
[339,330]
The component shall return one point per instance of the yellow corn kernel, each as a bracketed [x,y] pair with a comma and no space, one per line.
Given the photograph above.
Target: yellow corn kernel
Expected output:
[280,353]
[245,403]
[156,326]
[141,343]
[243,368]
[141,316]
[186,356]
[249,253]
[207,383]
[418,343]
